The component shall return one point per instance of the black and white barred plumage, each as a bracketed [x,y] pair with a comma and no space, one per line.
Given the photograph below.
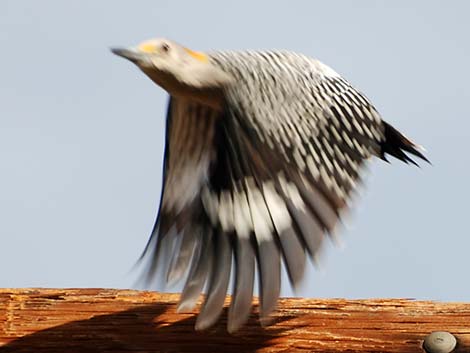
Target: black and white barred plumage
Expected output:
[262,178]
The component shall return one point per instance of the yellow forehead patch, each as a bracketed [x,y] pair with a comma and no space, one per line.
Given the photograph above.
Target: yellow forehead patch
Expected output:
[147,47]
[197,55]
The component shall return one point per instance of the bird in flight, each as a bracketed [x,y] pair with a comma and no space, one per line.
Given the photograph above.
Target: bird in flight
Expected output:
[263,152]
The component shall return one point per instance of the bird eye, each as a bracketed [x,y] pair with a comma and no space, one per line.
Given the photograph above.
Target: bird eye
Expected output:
[165,47]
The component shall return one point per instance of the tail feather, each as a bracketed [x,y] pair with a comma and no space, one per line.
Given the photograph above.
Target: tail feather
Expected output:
[396,144]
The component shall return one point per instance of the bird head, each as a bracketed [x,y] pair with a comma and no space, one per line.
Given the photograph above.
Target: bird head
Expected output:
[175,67]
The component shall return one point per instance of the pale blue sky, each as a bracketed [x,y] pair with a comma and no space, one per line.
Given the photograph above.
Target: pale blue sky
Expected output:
[81,135]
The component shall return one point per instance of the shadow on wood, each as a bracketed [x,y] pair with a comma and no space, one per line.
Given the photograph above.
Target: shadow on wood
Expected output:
[142,329]
[137,330]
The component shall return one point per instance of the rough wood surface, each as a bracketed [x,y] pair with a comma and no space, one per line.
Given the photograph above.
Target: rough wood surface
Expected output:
[108,320]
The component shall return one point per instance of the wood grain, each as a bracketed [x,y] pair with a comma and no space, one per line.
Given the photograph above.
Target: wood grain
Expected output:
[109,320]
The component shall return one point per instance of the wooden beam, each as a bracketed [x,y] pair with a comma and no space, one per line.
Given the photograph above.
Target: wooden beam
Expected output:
[108,320]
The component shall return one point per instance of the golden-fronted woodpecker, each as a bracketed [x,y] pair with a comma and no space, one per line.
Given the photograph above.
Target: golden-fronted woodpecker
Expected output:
[263,150]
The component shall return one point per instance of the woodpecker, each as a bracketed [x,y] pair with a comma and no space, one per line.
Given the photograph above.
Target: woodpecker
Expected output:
[263,152]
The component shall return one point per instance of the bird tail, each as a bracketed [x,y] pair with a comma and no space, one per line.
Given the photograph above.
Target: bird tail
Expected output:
[396,144]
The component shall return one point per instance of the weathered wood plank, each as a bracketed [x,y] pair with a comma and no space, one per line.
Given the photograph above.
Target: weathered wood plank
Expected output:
[108,320]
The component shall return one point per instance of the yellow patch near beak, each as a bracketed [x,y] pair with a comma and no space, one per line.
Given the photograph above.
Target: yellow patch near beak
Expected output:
[147,47]
[197,55]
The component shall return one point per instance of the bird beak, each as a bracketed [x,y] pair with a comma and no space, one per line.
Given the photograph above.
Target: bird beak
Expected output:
[131,54]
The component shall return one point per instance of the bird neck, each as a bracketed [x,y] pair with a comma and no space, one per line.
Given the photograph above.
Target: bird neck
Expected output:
[210,96]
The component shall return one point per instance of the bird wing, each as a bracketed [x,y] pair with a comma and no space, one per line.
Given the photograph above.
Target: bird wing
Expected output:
[185,241]
[181,226]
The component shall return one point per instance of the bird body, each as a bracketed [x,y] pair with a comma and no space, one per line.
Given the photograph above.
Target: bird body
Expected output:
[263,151]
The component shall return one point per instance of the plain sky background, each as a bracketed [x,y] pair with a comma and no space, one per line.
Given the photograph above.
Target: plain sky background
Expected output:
[81,135]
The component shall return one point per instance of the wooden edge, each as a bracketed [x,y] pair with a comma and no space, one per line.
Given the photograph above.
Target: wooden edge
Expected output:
[110,320]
